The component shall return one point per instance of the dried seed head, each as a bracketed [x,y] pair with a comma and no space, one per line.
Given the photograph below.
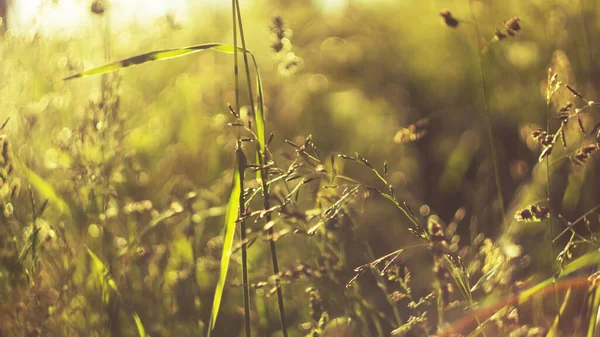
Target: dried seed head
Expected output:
[584,153]
[566,107]
[533,213]
[290,64]
[280,35]
[3,125]
[573,91]
[315,303]
[449,20]
[580,123]
[98,7]
[538,134]
[278,27]
[513,26]
[498,35]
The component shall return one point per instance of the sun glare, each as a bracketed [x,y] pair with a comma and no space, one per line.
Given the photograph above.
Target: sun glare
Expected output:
[70,16]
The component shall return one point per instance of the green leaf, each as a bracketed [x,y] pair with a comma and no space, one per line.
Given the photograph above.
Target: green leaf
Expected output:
[158,55]
[231,216]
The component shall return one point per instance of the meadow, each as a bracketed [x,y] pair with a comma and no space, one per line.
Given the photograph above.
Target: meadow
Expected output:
[275,169]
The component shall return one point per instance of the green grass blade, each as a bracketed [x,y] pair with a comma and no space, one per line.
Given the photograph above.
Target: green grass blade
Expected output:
[30,246]
[140,326]
[555,330]
[99,266]
[593,314]
[44,188]
[587,260]
[260,123]
[107,280]
[260,116]
[231,216]
[158,55]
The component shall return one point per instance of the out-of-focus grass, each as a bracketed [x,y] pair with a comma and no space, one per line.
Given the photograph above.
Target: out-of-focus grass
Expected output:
[122,154]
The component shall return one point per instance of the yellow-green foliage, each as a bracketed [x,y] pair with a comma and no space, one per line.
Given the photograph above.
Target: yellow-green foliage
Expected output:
[120,209]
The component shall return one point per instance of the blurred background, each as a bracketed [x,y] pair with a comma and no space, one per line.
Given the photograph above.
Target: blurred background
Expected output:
[112,152]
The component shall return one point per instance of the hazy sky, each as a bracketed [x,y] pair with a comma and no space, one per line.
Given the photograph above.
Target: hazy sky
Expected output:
[68,15]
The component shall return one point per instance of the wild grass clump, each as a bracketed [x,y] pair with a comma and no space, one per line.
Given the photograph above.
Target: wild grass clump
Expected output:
[335,194]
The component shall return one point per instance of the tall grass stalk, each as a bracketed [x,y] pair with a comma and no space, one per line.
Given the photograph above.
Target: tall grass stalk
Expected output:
[239,153]
[262,159]
[488,122]
[549,189]
[235,62]
[241,166]
[487,114]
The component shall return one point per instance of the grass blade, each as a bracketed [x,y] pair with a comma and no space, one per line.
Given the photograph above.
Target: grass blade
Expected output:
[43,187]
[587,260]
[108,284]
[157,55]
[231,216]
[594,312]
[105,278]
[140,326]
[260,117]
[555,330]
[260,126]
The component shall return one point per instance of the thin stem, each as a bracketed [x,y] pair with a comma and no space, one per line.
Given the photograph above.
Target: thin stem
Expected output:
[235,64]
[246,286]
[548,189]
[488,121]
[488,118]
[264,178]
[245,53]
[241,168]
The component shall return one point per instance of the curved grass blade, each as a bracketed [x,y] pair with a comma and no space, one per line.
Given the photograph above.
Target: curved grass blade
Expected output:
[260,116]
[231,216]
[44,188]
[555,329]
[30,246]
[166,54]
[587,260]
[106,279]
[260,128]
[109,284]
[140,326]
[570,277]
[158,55]
[594,314]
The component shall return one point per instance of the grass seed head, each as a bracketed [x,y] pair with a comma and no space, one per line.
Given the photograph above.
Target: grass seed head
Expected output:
[449,20]
[513,26]
[532,213]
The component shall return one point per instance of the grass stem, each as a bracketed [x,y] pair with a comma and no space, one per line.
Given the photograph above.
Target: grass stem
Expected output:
[488,118]
[264,178]
[245,280]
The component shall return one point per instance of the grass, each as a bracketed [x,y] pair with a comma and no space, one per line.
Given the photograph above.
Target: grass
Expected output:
[359,189]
